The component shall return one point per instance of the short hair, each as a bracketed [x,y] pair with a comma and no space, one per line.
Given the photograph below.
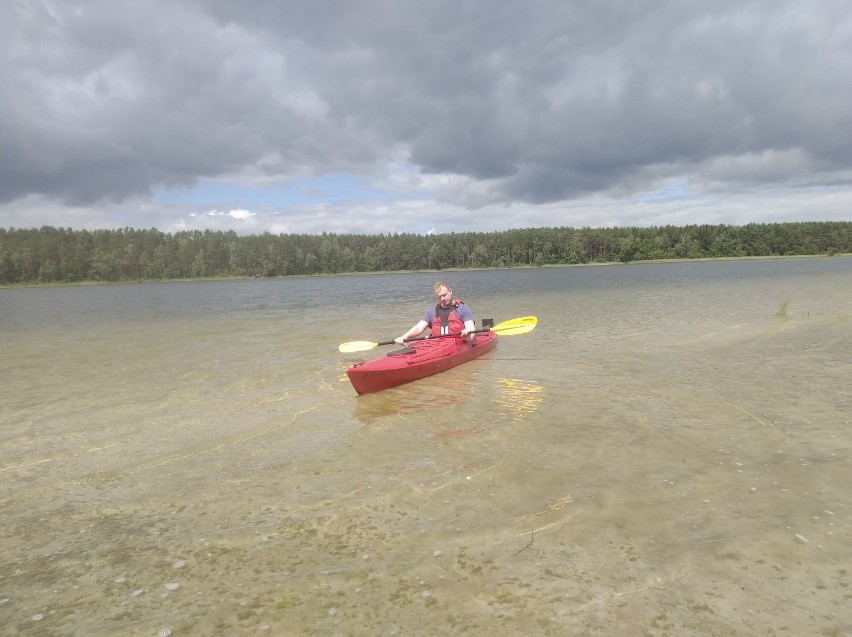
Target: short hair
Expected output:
[441,284]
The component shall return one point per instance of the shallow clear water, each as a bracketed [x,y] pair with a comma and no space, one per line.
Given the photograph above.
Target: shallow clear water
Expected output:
[668,452]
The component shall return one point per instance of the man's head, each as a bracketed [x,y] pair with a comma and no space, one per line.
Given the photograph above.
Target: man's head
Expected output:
[444,294]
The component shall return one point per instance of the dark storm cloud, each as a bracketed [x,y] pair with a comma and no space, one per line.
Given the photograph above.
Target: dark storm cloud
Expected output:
[538,102]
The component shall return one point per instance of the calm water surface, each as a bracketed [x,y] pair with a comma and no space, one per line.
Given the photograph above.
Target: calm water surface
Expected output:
[667,453]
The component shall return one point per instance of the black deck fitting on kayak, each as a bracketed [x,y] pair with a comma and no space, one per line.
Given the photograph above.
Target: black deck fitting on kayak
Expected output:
[403,352]
[487,323]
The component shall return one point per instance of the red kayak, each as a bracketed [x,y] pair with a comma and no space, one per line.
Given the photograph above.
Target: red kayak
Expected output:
[421,358]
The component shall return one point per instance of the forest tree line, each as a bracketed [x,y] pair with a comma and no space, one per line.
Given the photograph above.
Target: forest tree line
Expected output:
[60,255]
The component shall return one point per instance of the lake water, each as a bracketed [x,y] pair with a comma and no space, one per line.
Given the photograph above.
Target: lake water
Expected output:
[667,453]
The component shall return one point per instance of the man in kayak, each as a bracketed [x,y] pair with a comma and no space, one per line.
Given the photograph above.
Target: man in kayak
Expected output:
[448,316]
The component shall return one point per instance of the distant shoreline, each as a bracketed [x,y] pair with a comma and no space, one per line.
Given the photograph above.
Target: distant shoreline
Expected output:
[55,284]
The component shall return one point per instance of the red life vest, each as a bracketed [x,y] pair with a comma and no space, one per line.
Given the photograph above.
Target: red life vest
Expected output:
[452,325]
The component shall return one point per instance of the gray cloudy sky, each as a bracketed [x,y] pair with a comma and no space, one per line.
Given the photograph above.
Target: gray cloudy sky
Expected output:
[431,116]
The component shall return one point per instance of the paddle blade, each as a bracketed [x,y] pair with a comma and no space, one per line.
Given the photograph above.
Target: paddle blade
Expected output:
[357,346]
[516,326]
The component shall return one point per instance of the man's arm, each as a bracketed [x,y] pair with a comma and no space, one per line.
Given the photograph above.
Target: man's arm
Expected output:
[416,330]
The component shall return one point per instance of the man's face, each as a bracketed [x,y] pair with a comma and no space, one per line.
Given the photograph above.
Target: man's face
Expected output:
[444,296]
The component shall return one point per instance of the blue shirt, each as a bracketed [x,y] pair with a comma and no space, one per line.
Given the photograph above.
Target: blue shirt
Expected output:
[462,310]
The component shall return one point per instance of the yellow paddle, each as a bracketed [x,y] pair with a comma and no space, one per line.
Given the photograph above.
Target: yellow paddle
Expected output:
[506,328]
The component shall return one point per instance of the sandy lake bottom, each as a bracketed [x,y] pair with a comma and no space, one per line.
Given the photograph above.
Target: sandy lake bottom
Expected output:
[637,471]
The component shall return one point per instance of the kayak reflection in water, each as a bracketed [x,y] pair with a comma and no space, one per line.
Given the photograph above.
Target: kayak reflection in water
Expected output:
[448,316]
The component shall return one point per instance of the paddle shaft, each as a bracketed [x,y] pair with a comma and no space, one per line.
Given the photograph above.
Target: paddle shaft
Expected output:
[424,338]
